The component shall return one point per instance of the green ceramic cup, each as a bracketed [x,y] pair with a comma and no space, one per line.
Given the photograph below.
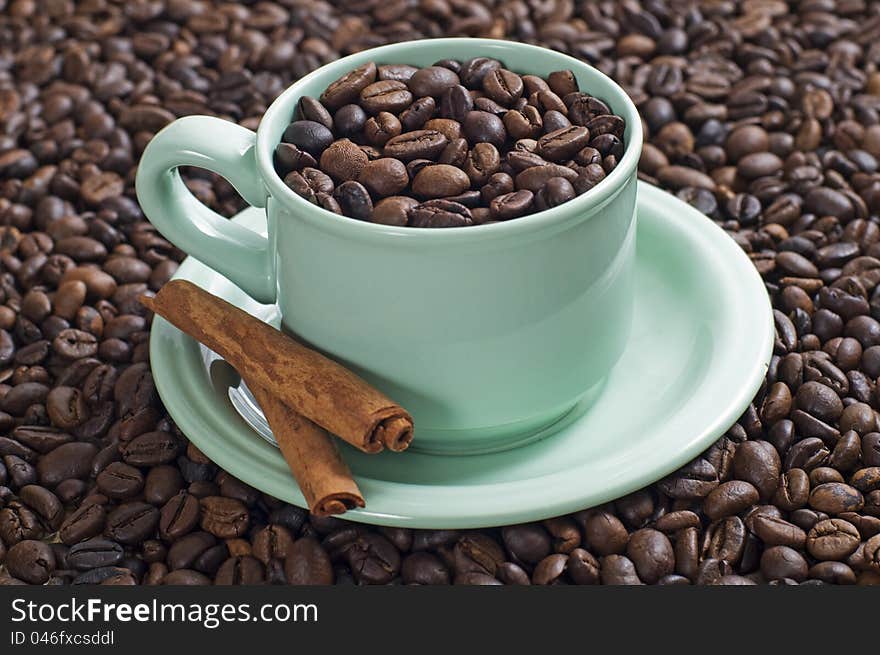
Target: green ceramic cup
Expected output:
[486,334]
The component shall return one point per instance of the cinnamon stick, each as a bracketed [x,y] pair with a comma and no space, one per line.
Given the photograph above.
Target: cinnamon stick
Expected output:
[323,477]
[311,384]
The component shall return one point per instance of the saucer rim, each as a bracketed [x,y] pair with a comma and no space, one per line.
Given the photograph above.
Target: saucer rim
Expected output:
[510,500]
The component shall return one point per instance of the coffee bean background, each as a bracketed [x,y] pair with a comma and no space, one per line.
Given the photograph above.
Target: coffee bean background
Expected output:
[763,115]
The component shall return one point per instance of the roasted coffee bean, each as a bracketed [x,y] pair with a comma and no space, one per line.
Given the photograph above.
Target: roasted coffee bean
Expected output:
[635,509]
[307,563]
[871,449]
[483,127]
[858,417]
[382,127]
[780,562]
[310,109]
[563,144]
[425,569]
[477,552]
[343,161]
[414,118]
[807,454]
[726,540]
[793,490]
[652,554]
[373,559]
[69,460]
[678,520]
[132,522]
[14,448]
[583,567]
[847,452]
[95,553]
[604,533]
[241,570]
[474,71]
[393,210]
[836,498]
[455,103]
[401,72]
[349,120]
[824,474]
[347,88]
[289,158]
[22,396]
[272,543]
[432,81]
[520,160]
[758,462]
[871,553]
[439,181]
[556,191]
[308,136]
[44,503]
[774,531]
[511,205]
[19,522]
[832,573]
[562,82]
[354,200]
[730,498]
[524,123]
[819,400]
[85,522]
[502,86]
[550,569]
[310,182]
[179,516]
[417,144]
[687,552]
[455,153]
[529,543]
[618,570]
[498,184]
[534,178]
[66,407]
[224,517]
[184,552]
[832,539]
[30,561]
[20,472]
[161,483]
[150,449]
[439,213]
[695,480]
[482,162]
[385,95]
[447,127]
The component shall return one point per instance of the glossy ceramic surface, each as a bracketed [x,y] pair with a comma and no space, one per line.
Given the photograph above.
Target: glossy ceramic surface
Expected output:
[484,333]
[701,340]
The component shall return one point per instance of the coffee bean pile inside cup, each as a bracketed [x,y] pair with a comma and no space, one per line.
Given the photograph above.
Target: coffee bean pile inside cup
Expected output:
[455,144]
[763,115]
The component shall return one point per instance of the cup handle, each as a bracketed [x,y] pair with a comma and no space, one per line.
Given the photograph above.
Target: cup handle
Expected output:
[227,149]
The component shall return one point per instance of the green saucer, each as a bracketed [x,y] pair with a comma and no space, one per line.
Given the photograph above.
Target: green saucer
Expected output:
[701,342]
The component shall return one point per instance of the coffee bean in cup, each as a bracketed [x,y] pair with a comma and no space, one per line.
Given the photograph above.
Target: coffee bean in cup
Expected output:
[455,144]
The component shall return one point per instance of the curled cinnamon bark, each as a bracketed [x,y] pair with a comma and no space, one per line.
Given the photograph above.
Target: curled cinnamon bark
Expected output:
[305,380]
[322,475]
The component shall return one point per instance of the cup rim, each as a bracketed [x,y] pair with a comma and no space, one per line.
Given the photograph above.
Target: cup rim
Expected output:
[580,205]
